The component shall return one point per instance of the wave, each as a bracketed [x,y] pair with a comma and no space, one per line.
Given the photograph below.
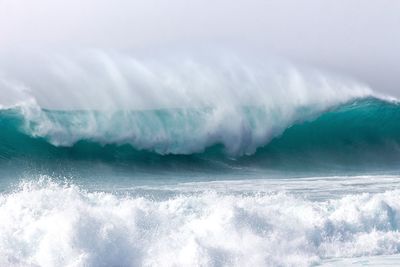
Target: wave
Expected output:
[182,109]
[80,228]
[363,130]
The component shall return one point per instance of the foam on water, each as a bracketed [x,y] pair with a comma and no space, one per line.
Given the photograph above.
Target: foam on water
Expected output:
[45,223]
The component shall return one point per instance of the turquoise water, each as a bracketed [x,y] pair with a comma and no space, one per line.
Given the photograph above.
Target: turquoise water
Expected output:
[346,136]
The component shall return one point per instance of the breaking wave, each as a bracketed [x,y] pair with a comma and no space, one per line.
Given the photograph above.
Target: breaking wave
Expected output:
[358,131]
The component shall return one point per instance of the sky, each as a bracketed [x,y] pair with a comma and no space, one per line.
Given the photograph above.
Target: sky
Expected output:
[357,38]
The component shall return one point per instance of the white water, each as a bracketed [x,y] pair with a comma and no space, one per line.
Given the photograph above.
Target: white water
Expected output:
[49,224]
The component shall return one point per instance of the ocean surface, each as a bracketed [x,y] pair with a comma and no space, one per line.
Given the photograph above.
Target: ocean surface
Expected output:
[173,187]
[111,160]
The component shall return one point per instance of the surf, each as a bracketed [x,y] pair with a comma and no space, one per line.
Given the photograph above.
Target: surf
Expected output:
[49,223]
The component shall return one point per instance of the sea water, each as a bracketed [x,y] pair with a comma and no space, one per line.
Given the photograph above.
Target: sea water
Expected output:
[232,172]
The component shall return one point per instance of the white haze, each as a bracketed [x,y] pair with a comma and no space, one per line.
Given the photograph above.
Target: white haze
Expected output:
[357,39]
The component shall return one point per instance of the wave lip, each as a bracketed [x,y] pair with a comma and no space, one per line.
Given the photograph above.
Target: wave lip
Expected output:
[80,228]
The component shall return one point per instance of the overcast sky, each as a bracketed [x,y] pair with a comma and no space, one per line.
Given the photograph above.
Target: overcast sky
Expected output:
[358,38]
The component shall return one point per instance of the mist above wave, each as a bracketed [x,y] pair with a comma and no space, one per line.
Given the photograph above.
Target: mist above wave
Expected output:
[98,79]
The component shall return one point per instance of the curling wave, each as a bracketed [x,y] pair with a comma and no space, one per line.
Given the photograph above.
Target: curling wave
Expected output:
[185,108]
[362,130]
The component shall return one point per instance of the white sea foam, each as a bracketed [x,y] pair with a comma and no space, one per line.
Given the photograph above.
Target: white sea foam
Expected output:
[48,224]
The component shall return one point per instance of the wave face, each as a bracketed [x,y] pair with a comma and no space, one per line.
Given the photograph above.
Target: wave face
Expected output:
[79,228]
[359,130]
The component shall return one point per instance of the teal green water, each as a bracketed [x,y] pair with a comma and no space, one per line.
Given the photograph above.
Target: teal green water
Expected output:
[359,135]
